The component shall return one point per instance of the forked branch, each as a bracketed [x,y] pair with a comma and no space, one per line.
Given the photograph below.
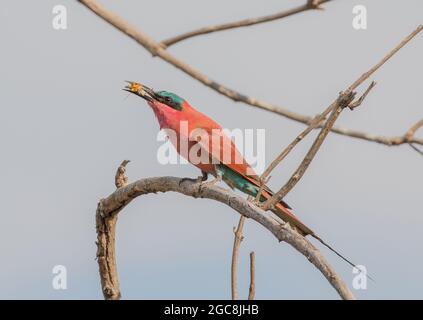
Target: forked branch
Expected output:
[156,49]
[345,100]
[328,126]
[309,5]
[106,253]
[108,209]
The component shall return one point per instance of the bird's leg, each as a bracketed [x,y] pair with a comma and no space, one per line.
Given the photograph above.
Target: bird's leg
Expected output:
[204,176]
[199,179]
[218,177]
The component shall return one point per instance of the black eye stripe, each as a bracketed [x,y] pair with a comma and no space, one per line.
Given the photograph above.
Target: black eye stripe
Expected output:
[169,100]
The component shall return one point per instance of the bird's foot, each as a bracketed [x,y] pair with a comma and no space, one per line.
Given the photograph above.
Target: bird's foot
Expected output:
[199,179]
[204,176]
[254,201]
[211,182]
[194,180]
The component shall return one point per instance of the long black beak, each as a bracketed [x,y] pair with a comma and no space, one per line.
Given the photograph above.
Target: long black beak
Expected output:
[140,90]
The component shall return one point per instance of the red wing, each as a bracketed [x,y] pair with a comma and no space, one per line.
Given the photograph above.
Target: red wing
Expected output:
[222,150]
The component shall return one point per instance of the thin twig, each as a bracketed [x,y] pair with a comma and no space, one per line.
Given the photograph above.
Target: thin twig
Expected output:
[315,4]
[409,135]
[344,100]
[385,59]
[337,109]
[313,125]
[318,120]
[412,131]
[238,237]
[310,5]
[252,290]
[360,100]
[116,201]
[157,50]
[120,178]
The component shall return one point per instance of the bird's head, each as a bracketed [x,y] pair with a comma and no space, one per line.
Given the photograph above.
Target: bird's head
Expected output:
[156,98]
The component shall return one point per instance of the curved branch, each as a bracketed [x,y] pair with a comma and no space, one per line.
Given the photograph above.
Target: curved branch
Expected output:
[157,50]
[309,5]
[106,229]
[114,203]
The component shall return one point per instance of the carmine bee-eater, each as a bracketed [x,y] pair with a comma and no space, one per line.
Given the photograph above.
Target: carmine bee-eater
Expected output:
[219,155]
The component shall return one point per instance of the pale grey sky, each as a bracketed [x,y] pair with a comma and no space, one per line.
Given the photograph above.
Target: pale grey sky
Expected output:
[66,125]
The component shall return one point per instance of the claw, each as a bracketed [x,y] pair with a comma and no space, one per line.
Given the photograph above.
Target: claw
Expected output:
[211,182]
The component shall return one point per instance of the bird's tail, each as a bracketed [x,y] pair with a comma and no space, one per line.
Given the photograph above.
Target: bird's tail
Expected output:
[282,211]
[340,255]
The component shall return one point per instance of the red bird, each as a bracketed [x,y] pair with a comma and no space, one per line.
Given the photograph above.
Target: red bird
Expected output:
[202,142]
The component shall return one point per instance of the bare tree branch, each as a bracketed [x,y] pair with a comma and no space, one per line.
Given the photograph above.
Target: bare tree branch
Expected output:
[120,178]
[315,4]
[106,230]
[409,136]
[360,100]
[412,131]
[238,237]
[309,5]
[116,201]
[313,125]
[317,121]
[252,291]
[108,209]
[385,59]
[344,100]
[337,104]
[157,50]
